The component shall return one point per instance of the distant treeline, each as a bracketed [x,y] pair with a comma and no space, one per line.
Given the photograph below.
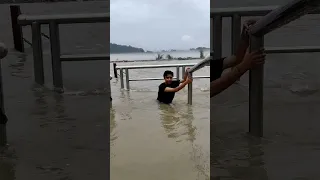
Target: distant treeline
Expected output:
[199,48]
[116,48]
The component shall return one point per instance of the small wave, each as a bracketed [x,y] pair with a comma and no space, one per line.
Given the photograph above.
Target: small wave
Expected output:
[48,88]
[20,75]
[204,89]
[14,52]
[303,90]
[141,90]
[94,92]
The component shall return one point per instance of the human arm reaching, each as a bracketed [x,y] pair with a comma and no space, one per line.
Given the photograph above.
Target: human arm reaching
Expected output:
[251,59]
[185,76]
[181,86]
[242,47]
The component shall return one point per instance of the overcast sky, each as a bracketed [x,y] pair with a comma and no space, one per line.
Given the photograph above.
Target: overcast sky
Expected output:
[160,24]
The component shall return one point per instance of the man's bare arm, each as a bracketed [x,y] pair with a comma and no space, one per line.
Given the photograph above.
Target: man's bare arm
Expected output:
[185,76]
[226,80]
[238,57]
[229,62]
[251,59]
[181,86]
[183,80]
[241,48]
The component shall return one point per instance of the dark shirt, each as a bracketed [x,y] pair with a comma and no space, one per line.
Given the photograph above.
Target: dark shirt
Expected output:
[3,118]
[167,97]
[216,69]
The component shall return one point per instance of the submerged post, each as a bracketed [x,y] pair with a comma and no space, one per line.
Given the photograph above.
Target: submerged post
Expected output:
[183,70]
[256,91]
[55,56]
[275,19]
[109,83]
[178,72]
[16,28]
[127,79]
[217,37]
[236,31]
[196,67]
[190,91]
[115,70]
[121,78]
[37,53]
[3,120]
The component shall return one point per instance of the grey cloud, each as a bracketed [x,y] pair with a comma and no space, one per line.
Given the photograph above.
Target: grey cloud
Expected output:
[155,25]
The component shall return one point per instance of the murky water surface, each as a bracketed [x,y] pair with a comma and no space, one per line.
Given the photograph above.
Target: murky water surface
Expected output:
[59,136]
[290,147]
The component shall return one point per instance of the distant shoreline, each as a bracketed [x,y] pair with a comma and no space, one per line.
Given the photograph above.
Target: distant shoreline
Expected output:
[161,52]
[175,59]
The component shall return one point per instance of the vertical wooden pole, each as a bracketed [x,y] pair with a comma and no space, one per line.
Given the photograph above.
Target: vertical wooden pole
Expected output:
[256,92]
[3,117]
[115,70]
[16,28]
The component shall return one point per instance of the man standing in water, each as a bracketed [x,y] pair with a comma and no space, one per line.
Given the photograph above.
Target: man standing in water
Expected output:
[169,87]
[239,63]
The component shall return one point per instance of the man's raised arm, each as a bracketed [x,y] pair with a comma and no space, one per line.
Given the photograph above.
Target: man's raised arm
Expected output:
[227,79]
[237,58]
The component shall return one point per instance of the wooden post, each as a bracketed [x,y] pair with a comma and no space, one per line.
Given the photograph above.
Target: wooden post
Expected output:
[190,91]
[3,118]
[55,57]
[256,91]
[236,31]
[115,70]
[37,53]
[109,83]
[16,28]
[217,37]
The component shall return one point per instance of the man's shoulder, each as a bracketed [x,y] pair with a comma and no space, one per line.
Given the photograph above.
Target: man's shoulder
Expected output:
[175,83]
[162,85]
[217,63]
[216,68]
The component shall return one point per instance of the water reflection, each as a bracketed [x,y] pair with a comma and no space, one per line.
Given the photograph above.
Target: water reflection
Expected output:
[177,120]
[41,106]
[113,126]
[7,164]
[238,157]
[18,66]
[256,160]
[49,115]
[59,105]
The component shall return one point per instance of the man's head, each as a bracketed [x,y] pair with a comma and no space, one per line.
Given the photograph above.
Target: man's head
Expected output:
[168,76]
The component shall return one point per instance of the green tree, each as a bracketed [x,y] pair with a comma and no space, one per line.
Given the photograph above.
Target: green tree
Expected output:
[159,56]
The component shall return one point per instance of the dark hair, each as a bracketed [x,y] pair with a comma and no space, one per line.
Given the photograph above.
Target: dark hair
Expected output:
[166,73]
